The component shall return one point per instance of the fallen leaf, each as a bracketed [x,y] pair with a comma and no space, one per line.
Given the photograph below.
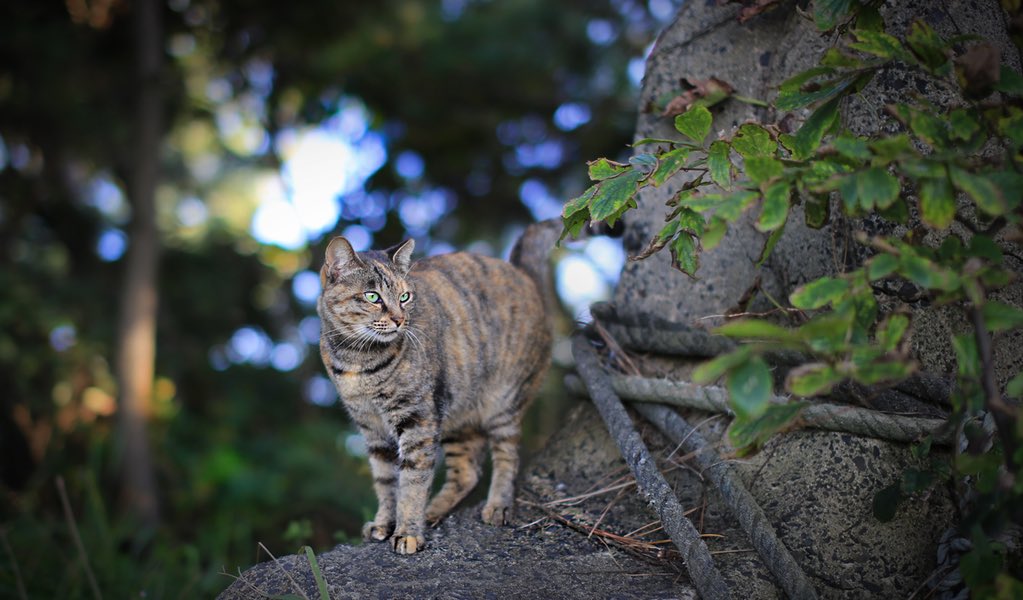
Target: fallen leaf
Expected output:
[710,91]
[978,69]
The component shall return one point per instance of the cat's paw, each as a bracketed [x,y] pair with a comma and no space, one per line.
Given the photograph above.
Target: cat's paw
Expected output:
[407,544]
[497,514]
[374,532]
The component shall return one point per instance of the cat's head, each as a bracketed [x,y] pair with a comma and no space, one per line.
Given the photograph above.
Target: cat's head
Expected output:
[366,297]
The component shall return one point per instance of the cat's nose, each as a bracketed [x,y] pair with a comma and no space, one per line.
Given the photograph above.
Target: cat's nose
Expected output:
[398,320]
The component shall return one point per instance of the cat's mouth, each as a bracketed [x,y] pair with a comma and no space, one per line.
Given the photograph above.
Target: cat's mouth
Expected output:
[385,335]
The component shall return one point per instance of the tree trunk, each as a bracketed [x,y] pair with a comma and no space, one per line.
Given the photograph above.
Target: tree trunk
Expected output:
[136,343]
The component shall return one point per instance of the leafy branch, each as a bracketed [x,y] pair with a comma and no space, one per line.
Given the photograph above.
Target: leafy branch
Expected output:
[963,164]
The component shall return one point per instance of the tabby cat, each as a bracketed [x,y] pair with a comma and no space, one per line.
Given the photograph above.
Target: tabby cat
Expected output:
[449,350]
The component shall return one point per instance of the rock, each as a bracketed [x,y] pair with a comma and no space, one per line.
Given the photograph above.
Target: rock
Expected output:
[816,487]
[466,559]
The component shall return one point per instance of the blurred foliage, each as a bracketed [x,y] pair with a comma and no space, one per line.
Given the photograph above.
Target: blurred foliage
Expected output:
[958,164]
[243,454]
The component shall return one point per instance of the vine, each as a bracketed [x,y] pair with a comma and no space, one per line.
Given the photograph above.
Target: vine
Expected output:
[961,165]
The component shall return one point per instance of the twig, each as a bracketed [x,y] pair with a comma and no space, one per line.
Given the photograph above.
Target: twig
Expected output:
[603,514]
[600,492]
[70,518]
[698,425]
[14,566]
[283,570]
[743,505]
[621,357]
[699,564]
[1005,416]
[245,582]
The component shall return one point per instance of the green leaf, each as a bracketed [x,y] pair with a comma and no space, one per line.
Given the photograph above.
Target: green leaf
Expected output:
[883,372]
[1001,317]
[769,244]
[712,370]
[793,98]
[818,293]
[797,81]
[881,266]
[851,147]
[834,57]
[1009,82]
[886,502]
[603,168]
[967,356]
[891,331]
[690,221]
[731,206]
[671,162]
[1010,183]
[927,274]
[763,168]
[892,148]
[713,233]
[814,379]
[650,140]
[962,124]
[808,138]
[644,163]
[879,44]
[749,388]
[1011,126]
[719,164]
[827,13]
[937,203]
[869,18]
[982,246]
[818,210]
[876,187]
[694,123]
[922,168]
[983,191]
[927,46]
[754,329]
[612,194]
[685,254]
[776,207]
[578,203]
[754,140]
[898,212]
[827,333]
[750,434]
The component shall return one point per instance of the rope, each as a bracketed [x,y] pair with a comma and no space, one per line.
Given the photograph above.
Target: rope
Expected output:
[698,562]
[832,417]
[739,500]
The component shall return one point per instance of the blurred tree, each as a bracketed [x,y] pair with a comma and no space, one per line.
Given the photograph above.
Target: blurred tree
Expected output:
[487,108]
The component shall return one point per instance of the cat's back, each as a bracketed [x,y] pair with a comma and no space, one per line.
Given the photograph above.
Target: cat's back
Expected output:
[463,277]
[485,316]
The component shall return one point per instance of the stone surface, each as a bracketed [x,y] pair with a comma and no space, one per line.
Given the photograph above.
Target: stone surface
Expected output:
[466,559]
[706,40]
[816,487]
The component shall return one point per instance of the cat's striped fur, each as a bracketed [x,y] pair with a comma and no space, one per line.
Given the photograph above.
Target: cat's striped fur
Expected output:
[448,351]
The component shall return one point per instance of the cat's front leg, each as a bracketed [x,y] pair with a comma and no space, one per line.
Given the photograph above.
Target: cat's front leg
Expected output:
[383,463]
[417,451]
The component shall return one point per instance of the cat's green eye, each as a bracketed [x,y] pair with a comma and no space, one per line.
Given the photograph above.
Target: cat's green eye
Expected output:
[405,297]
[372,297]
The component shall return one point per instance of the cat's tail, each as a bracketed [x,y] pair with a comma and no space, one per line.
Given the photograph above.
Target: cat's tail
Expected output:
[531,253]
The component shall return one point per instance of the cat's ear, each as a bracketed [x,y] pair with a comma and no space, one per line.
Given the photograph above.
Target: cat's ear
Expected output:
[341,257]
[401,255]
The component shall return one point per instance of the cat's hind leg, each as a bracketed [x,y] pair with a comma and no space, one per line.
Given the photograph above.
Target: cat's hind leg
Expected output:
[504,454]
[462,453]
